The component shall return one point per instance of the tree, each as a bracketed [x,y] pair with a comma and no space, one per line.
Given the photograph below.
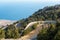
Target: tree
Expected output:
[57,37]
[30,29]
[12,32]
[27,31]
[2,33]
[42,35]
[47,34]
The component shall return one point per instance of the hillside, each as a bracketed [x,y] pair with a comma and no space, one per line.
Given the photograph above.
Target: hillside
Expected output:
[49,13]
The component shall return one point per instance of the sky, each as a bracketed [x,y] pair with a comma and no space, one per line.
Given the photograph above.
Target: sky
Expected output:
[19,9]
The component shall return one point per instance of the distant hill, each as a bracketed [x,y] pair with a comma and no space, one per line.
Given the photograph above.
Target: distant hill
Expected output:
[5,22]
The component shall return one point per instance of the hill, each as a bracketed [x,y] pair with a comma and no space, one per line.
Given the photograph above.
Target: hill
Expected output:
[49,13]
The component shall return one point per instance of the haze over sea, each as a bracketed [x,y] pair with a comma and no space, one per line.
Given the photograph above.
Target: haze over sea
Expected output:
[17,9]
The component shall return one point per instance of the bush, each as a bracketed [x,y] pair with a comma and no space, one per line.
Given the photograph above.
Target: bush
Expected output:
[2,33]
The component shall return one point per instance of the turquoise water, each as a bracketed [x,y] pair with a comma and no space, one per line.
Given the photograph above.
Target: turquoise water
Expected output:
[17,11]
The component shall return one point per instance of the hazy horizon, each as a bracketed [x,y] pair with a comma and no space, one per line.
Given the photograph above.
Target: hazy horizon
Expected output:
[16,10]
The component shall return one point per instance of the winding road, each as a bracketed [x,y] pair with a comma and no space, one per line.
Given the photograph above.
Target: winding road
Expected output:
[33,34]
